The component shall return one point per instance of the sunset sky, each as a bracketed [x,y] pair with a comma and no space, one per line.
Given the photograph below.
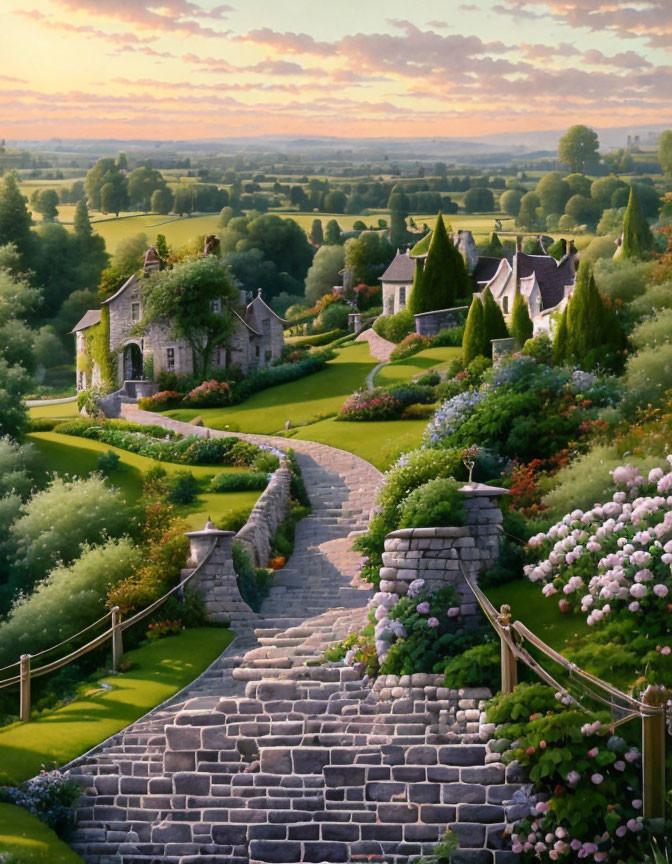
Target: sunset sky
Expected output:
[176,69]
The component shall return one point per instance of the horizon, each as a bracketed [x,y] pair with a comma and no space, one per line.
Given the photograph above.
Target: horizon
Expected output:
[136,70]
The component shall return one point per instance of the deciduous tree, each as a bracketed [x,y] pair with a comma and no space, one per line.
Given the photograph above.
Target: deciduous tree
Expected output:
[579,148]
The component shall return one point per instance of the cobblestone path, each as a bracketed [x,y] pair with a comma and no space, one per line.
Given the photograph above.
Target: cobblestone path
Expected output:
[272,756]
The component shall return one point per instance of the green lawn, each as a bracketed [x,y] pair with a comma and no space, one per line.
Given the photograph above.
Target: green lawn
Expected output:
[68,454]
[379,442]
[64,411]
[30,840]
[423,361]
[301,402]
[159,669]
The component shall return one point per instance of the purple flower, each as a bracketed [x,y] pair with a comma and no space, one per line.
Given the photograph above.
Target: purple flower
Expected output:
[432,622]
[422,608]
[454,611]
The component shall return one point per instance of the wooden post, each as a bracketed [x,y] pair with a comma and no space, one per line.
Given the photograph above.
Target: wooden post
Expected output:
[117,639]
[508,662]
[24,695]
[653,753]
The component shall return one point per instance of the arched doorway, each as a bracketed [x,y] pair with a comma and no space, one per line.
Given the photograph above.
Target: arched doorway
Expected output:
[132,362]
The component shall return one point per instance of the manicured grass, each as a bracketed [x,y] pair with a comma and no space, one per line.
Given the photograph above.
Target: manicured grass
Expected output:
[423,361]
[301,402]
[68,454]
[539,613]
[65,411]
[158,670]
[30,840]
[379,442]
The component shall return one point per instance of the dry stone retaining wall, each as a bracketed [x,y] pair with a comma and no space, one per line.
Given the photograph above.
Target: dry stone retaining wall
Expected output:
[267,514]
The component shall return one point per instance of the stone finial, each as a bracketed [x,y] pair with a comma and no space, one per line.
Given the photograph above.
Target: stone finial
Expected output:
[152,261]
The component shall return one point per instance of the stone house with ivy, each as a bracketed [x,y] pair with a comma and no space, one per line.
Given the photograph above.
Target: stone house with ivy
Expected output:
[111,351]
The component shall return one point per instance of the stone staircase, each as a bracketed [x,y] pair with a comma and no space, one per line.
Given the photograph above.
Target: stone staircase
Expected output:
[274,756]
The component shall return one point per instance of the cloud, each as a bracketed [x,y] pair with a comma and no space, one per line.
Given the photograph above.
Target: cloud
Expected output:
[172,15]
[624,60]
[292,43]
[84,29]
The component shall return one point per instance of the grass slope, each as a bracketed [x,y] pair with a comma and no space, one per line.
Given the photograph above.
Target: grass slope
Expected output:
[159,669]
[64,411]
[304,401]
[23,835]
[423,361]
[70,455]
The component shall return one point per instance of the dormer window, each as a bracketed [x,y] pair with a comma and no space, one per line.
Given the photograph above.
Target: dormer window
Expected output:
[135,312]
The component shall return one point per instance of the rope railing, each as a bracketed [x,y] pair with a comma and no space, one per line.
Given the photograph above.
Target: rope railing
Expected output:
[26,672]
[650,709]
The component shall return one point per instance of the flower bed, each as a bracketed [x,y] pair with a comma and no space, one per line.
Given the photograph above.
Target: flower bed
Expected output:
[364,406]
[209,394]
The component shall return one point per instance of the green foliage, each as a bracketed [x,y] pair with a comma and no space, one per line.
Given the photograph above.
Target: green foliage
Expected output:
[409,346]
[561,350]
[15,219]
[521,323]
[579,148]
[70,598]
[333,317]
[479,200]
[444,277]
[58,520]
[108,462]
[624,279]
[324,271]
[653,331]
[528,215]
[395,328]
[49,796]
[540,347]
[254,583]
[510,202]
[239,481]
[183,487]
[17,467]
[475,342]
[665,151]
[367,256]
[553,193]
[493,319]
[449,337]
[437,503]
[478,666]
[648,375]
[637,237]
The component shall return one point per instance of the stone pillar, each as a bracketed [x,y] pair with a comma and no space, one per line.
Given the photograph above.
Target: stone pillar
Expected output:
[484,519]
[216,581]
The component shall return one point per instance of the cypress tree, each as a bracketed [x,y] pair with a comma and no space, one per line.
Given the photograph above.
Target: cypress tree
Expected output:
[495,326]
[637,237]
[416,289]
[474,341]
[444,277]
[560,340]
[15,219]
[585,316]
[521,323]
[495,242]
[557,249]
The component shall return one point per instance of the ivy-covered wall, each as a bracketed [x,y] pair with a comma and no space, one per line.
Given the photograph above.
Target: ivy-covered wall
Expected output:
[96,353]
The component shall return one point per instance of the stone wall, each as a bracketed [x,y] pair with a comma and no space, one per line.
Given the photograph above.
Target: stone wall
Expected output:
[270,510]
[435,554]
[429,323]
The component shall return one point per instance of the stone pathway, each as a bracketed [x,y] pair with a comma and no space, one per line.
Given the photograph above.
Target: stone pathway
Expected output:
[379,348]
[274,756]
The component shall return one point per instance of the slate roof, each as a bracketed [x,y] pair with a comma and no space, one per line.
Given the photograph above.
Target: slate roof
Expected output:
[402,269]
[485,269]
[129,281]
[89,319]
[552,275]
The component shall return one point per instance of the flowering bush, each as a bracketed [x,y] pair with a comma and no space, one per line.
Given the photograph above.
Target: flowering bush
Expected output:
[409,346]
[160,629]
[162,401]
[450,416]
[616,556]
[370,406]
[437,503]
[49,796]
[209,394]
[586,800]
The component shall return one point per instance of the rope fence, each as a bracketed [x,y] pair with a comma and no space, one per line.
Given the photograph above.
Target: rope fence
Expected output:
[515,636]
[26,671]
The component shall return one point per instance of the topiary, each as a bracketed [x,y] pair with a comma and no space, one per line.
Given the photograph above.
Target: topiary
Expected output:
[475,341]
[521,323]
[495,326]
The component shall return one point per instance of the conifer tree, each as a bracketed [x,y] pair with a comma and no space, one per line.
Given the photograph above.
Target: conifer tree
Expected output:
[637,237]
[474,341]
[560,340]
[444,277]
[495,242]
[585,316]
[495,326]
[15,219]
[521,323]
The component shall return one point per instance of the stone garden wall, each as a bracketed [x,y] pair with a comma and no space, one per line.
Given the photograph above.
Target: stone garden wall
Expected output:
[270,510]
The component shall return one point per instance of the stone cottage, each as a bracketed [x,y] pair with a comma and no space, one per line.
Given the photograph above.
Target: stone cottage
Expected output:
[257,340]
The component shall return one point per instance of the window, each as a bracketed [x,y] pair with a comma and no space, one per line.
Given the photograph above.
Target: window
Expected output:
[266,328]
[402,297]
[170,359]
[135,312]
[505,304]
[216,306]
[257,351]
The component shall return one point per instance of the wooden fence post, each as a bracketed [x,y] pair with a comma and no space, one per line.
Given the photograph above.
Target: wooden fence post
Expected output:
[508,661]
[117,639]
[653,753]
[24,694]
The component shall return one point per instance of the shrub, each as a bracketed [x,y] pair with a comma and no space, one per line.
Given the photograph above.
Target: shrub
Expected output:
[17,464]
[410,392]
[409,346]
[476,667]
[333,317]
[270,376]
[254,583]
[239,481]
[394,327]
[162,401]
[418,412]
[622,279]
[437,503]
[42,424]
[450,337]
[209,394]
[60,519]
[297,488]
[541,348]
[49,796]
[183,487]
[648,375]
[69,599]
[234,520]
[315,341]
[377,405]
[429,379]
[108,462]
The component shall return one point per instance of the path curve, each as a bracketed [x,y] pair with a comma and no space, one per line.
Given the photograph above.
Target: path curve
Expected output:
[318,598]
[378,347]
